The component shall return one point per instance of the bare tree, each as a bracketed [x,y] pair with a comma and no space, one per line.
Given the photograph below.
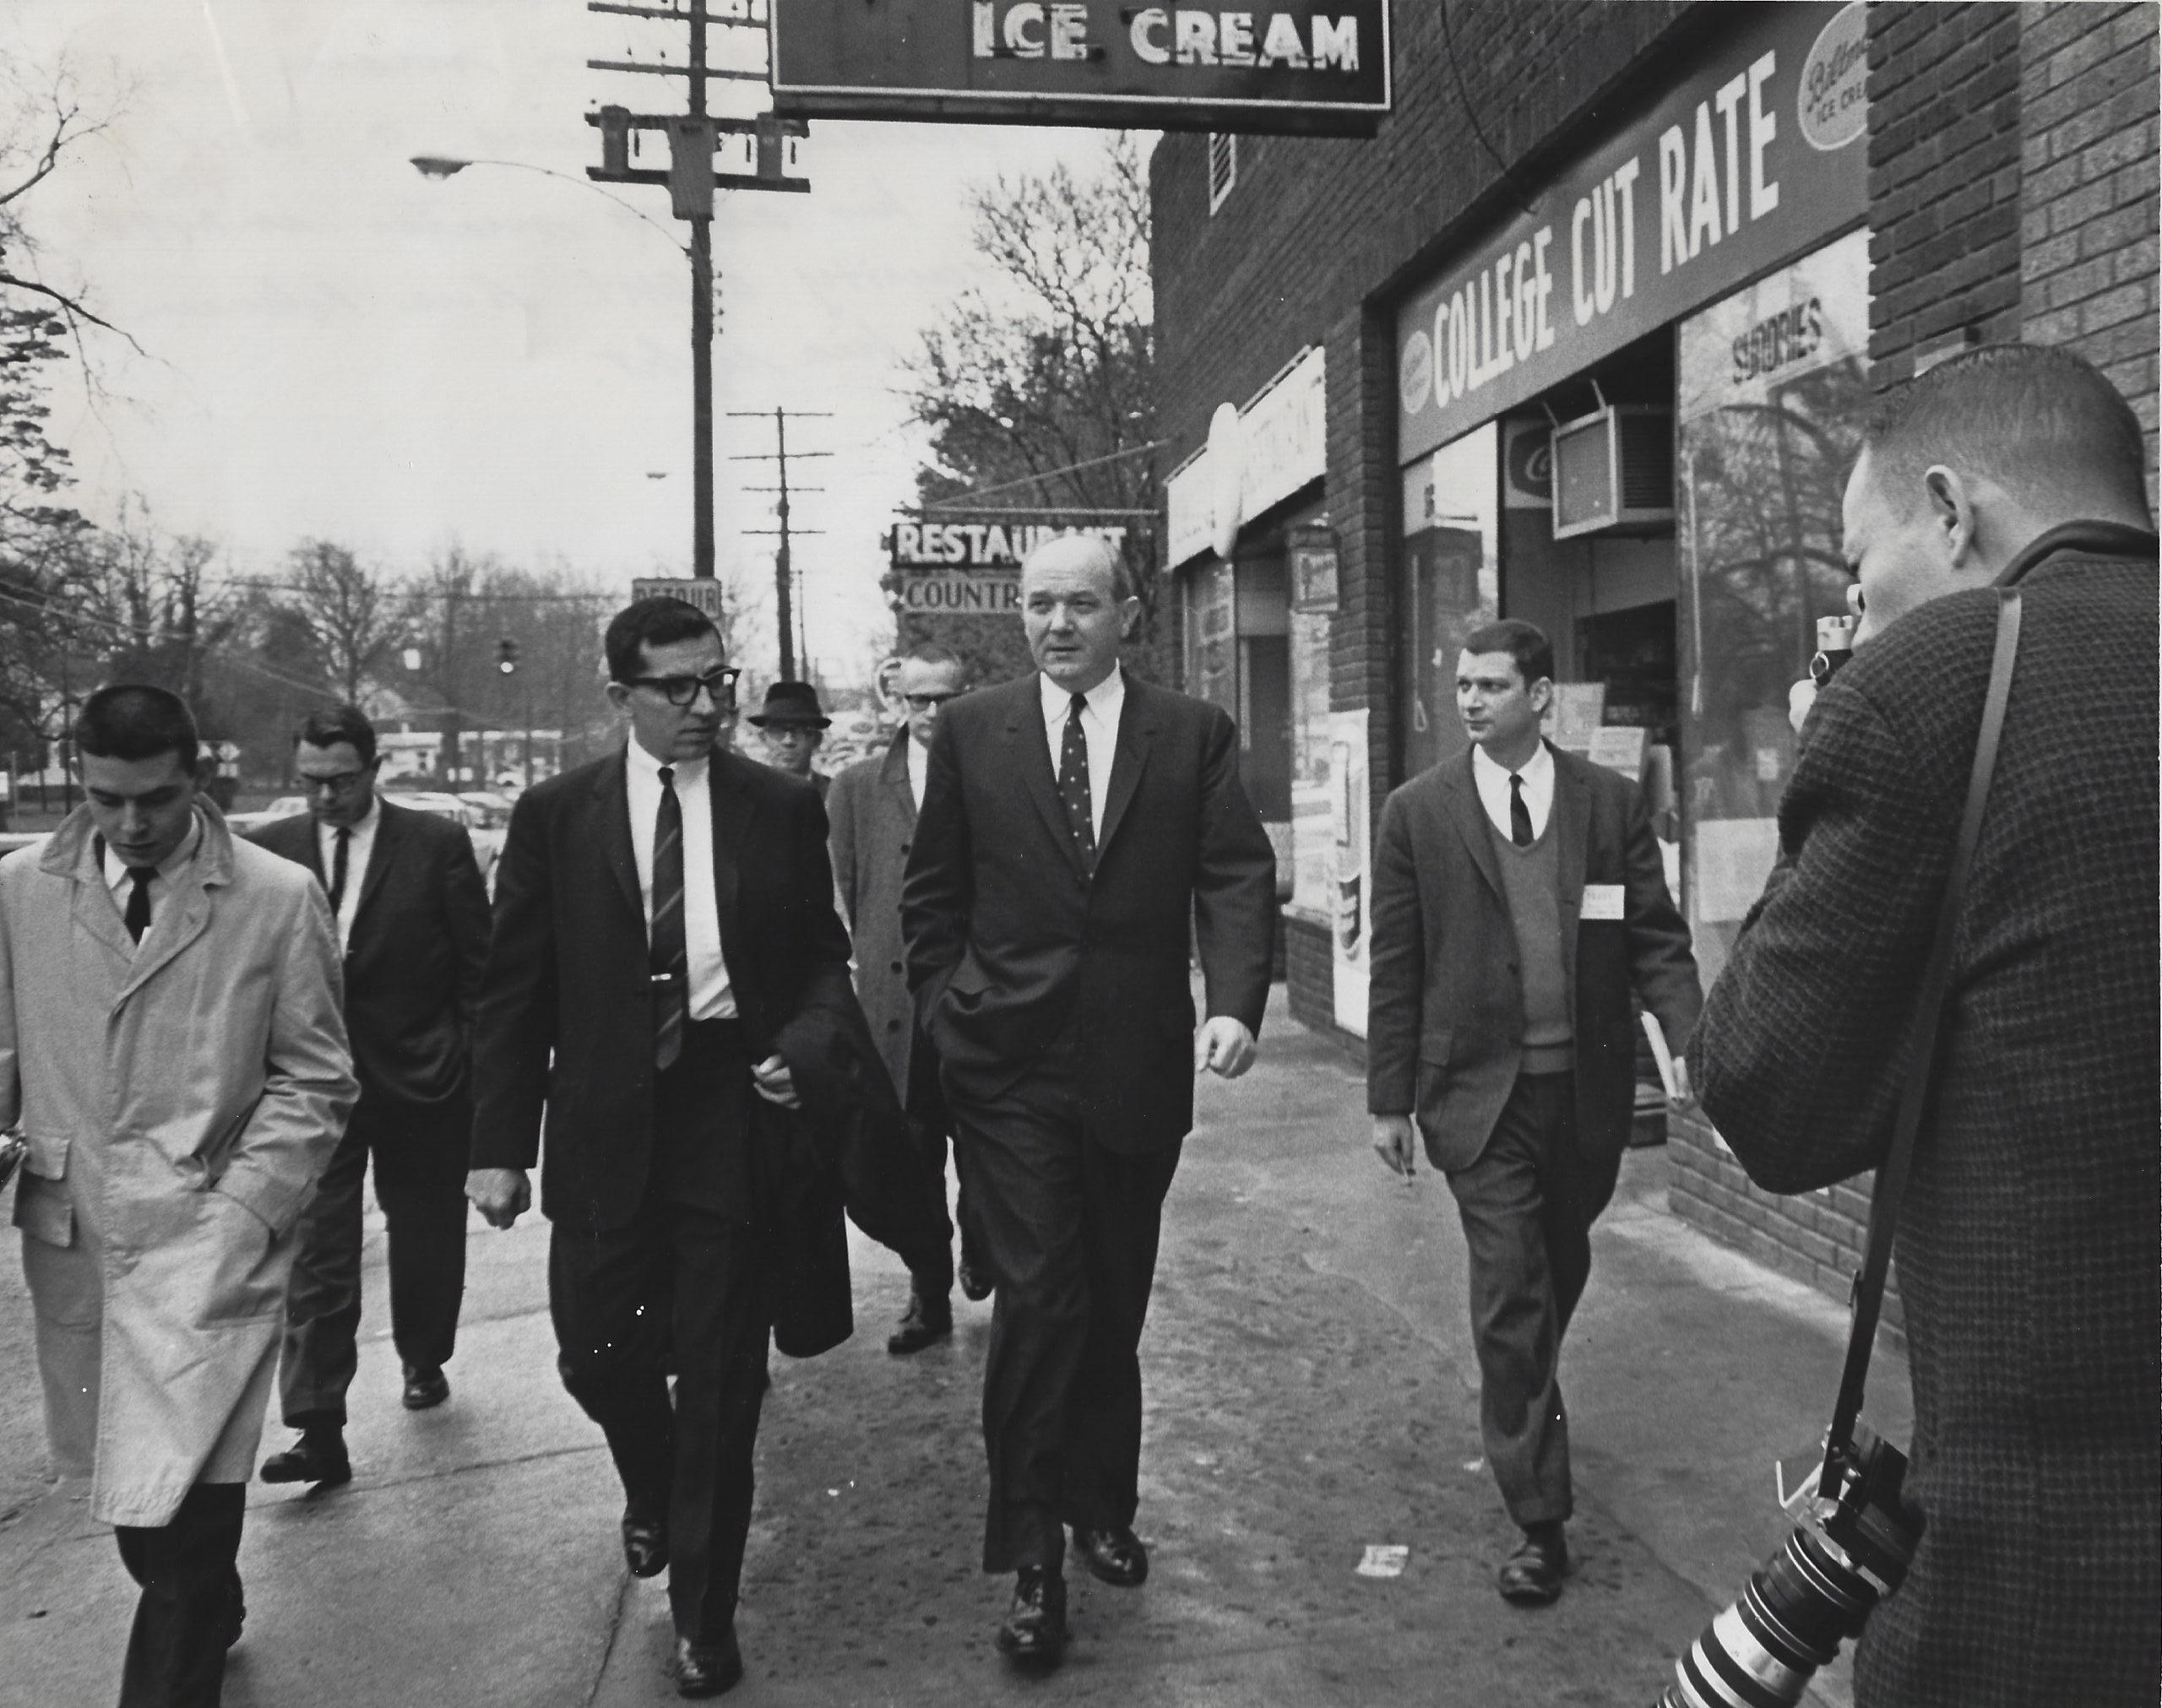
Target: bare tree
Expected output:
[1039,384]
[352,617]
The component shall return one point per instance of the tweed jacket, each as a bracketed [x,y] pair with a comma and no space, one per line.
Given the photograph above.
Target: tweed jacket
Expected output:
[2027,1247]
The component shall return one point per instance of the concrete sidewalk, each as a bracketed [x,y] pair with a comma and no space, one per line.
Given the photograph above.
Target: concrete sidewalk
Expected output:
[1312,1393]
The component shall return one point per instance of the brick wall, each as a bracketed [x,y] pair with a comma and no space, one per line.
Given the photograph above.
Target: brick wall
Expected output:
[2089,190]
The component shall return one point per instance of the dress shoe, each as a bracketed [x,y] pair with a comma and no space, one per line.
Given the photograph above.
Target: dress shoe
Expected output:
[707,1669]
[1531,1577]
[236,1612]
[1114,1556]
[645,1540]
[929,1318]
[318,1457]
[975,1280]
[1034,1626]
[425,1386]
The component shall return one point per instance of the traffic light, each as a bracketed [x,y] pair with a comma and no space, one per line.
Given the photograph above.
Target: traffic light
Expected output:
[507,656]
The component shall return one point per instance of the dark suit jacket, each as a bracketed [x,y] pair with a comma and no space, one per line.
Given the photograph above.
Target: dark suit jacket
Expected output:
[874,818]
[1008,939]
[1445,1006]
[567,1016]
[418,944]
[2027,1240]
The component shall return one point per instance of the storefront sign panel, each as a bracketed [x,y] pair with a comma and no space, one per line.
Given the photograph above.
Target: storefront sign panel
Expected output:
[961,594]
[1313,67]
[978,544]
[1282,444]
[1759,153]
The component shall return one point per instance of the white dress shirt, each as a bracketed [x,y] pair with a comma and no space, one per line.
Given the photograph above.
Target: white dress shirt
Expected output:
[1098,734]
[117,878]
[919,770]
[1492,781]
[710,997]
[359,842]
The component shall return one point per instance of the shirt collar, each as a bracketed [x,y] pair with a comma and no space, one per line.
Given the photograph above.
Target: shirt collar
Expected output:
[646,765]
[1535,770]
[1102,699]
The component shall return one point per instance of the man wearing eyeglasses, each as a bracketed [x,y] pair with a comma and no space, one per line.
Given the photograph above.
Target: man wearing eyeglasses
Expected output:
[872,805]
[412,920]
[664,926]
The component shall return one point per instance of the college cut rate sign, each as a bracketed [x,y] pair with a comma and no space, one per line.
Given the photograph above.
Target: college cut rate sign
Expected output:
[1313,67]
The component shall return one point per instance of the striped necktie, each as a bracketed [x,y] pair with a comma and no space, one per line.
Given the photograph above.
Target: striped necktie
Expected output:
[669,959]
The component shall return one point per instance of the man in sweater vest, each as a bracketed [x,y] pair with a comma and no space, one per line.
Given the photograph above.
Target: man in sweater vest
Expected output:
[1519,898]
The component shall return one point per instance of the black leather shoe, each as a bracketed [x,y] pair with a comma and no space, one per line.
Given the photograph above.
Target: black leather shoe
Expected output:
[645,1540]
[707,1669]
[236,1612]
[1114,1556]
[976,1283]
[929,1319]
[318,1457]
[425,1386]
[1531,1577]
[1034,1626]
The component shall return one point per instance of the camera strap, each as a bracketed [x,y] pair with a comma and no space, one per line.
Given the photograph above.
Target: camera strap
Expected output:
[1921,1069]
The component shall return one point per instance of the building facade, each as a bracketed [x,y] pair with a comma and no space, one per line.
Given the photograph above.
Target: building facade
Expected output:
[1585,335]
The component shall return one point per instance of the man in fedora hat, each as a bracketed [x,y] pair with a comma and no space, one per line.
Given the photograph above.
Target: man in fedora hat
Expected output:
[793,724]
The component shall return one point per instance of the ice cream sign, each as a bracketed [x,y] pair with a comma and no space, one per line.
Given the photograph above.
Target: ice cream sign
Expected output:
[1755,155]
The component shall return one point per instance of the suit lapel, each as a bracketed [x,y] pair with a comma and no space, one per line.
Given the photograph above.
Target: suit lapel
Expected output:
[1031,758]
[389,833]
[611,815]
[1136,732]
[1570,824]
[1472,825]
[894,781]
[734,812]
[186,913]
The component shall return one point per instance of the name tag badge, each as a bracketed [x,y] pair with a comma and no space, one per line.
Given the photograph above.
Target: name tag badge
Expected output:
[1602,902]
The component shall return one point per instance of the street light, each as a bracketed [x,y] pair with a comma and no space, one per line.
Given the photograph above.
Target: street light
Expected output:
[700,255]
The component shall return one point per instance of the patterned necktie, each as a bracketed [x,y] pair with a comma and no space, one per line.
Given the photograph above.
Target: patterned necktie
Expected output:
[1073,785]
[137,916]
[669,959]
[344,841]
[1519,814]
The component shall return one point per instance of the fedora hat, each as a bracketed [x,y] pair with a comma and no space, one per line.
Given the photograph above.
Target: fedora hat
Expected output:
[791,702]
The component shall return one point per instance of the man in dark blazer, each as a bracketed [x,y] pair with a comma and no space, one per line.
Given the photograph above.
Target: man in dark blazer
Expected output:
[872,807]
[2026,1248]
[1077,828]
[1519,898]
[664,921]
[412,919]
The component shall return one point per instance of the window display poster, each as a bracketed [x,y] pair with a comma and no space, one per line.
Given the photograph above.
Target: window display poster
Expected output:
[1350,812]
[1314,832]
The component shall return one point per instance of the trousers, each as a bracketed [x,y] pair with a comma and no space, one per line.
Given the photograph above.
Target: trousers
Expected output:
[1070,1230]
[1528,1203]
[420,1151]
[190,1600]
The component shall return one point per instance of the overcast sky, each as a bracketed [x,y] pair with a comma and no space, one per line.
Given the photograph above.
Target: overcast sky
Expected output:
[337,347]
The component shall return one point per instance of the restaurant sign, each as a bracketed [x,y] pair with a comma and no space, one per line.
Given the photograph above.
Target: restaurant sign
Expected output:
[1756,155]
[1313,66]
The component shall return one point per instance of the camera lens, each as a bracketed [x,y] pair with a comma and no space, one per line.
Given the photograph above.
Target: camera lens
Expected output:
[1762,1652]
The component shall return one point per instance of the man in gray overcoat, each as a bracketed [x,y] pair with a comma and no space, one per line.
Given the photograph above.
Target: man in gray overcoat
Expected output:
[172,1048]
[872,813]
[2026,1239]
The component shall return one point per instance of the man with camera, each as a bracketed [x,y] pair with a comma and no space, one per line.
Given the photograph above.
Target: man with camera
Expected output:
[2027,1234]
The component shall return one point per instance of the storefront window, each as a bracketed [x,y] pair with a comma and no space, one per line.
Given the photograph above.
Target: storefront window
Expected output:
[1211,660]
[1313,836]
[1450,584]
[1774,389]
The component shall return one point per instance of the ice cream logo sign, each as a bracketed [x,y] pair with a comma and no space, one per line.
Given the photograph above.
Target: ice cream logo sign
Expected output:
[1301,41]
[1744,163]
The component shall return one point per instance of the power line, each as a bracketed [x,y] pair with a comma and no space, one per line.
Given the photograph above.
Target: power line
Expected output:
[966,498]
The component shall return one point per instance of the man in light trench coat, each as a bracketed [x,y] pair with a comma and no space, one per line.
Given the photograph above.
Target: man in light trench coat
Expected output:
[172,1048]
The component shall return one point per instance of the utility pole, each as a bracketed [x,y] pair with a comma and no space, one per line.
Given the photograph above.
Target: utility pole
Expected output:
[692,182]
[784,600]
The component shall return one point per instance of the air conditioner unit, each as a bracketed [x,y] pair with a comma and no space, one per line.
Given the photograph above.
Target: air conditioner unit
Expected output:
[1614,472]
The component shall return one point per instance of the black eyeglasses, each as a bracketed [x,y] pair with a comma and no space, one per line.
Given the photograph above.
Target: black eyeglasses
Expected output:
[927,702]
[682,690]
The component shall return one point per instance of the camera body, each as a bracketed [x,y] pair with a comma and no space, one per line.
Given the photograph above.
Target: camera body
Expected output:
[1861,1507]
[1835,645]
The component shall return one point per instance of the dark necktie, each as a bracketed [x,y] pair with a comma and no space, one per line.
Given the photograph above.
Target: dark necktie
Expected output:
[344,840]
[670,960]
[1519,814]
[1073,784]
[137,916]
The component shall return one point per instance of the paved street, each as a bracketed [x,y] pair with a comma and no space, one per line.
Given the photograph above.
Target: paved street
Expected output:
[1310,1393]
